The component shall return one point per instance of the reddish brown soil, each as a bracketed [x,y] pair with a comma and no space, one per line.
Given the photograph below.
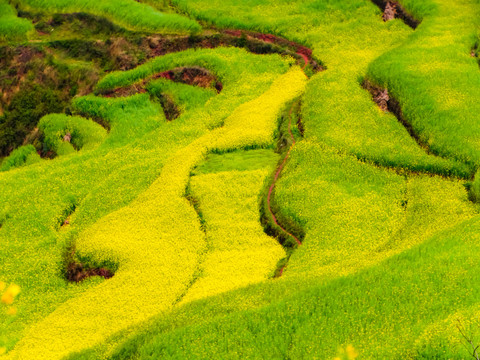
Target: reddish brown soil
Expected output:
[394,10]
[254,42]
[195,76]
[390,11]
[379,96]
[77,273]
[191,76]
[170,109]
[126,91]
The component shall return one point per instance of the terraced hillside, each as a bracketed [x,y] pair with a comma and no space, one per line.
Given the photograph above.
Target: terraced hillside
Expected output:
[265,179]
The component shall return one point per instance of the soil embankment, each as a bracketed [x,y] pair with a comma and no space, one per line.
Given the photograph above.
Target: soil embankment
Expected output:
[394,10]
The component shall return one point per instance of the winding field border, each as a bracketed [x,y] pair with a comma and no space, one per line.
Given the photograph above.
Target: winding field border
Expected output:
[394,10]
[276,177]
[196,76]
[254,42]
[387,103]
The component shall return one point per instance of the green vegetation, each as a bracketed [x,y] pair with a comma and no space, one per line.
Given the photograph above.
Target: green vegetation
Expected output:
[185,96]
[62,133]
[241,160]
[386,203]
[389,212]
[128,13]
[24,155]
[47,86]
[129,159]
[387,309]
[442,112]
[238,251]
[23,114]
[12,27]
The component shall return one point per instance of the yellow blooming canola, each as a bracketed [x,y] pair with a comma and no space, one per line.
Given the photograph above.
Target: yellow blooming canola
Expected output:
[358,227]
[156,241]
[10,294]
[239,252]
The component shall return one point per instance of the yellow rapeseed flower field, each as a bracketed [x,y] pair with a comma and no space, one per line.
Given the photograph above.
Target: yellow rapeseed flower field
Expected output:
[156,242]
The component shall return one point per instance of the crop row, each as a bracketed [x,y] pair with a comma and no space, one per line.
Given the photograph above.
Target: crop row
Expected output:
[435,80]
[239,253]
[12,27]
[358,214]
[128,13]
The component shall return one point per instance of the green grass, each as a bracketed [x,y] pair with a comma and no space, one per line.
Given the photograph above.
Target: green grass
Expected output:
[24,155]
[242,160]
[436,80]
[389,310]
[127,13]
[12,27]
[357,214]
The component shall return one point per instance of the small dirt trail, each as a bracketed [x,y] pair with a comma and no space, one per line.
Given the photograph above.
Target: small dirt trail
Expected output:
[282,166]
[280,169]
[277,175]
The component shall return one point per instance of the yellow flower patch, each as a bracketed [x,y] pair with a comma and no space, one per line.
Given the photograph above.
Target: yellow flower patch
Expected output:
[10,294]
[239,252]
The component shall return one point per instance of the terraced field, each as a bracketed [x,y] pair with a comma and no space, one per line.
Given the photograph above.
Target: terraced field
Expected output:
[264,179]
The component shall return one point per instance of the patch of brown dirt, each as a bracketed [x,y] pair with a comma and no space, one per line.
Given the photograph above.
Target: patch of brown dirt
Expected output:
[195,76]
[379,96]
[76,272]
[169,108]
[390,11]
[127,91]
[394,10]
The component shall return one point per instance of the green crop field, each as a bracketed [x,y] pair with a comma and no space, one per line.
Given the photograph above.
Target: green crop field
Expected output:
[239,179]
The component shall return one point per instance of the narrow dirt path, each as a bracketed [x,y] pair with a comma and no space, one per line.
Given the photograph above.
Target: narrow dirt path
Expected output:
[277,175]
[279,171]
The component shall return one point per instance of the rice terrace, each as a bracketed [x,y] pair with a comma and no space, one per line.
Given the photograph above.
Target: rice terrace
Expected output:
[239,179]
